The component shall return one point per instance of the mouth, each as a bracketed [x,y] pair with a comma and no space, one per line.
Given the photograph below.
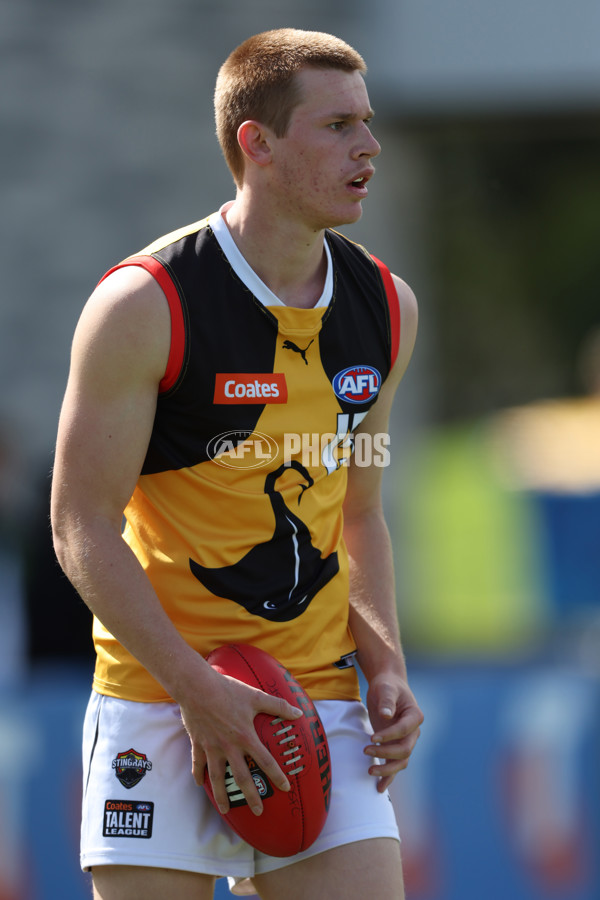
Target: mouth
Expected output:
[358,185]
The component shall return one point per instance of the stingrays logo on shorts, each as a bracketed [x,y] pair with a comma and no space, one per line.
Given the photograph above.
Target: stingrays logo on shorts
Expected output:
[130,767]
[357,384]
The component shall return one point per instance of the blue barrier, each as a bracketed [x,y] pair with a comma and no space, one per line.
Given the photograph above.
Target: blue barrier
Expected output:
[501,798]
[502,795]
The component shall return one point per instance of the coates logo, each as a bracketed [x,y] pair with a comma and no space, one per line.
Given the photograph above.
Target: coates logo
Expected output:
[250,387]
[130,767]
[357,384]
[242,449]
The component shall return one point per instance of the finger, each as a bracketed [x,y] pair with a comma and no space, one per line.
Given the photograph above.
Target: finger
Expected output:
[245,782]
[401,749]
[394,756]
[386,707]
[396,735]
[217,774]
[198,765]
[239,774]
[386,699]
[407,724]
[270,768]
[399,756]
[386,772]
[226,779]
[388,767]
[384,783]
[277,707]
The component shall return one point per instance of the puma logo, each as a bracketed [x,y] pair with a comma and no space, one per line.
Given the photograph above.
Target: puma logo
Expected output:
[290,345]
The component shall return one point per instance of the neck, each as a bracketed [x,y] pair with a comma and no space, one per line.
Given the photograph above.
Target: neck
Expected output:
[287,256]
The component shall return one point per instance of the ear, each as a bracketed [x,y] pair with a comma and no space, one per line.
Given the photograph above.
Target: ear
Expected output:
[254,140]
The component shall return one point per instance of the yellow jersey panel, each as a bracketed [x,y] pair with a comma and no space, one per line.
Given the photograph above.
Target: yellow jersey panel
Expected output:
[237,515]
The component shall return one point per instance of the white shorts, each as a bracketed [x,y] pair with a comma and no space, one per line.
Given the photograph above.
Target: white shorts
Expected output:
[137,760]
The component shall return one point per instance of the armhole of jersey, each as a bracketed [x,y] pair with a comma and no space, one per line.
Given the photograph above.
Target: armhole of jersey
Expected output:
[177,348]
[394,307]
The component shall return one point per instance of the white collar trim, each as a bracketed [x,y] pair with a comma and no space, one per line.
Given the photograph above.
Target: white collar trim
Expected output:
[247,274]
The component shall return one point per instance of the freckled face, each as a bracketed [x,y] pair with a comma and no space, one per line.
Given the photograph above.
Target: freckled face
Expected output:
[323,164]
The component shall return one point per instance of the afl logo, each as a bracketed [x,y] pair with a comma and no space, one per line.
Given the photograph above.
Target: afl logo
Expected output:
[358,384]
[242,449]
[260,783]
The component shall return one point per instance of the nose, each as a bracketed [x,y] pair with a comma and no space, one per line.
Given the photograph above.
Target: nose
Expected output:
[367,146]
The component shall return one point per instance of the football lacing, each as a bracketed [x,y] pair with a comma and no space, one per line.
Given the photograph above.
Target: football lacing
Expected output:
[294,749]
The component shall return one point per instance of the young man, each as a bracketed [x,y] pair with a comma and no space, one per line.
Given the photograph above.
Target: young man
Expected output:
[217,381]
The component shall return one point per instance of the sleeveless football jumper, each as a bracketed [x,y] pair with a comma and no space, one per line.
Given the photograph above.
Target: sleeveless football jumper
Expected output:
[237,515]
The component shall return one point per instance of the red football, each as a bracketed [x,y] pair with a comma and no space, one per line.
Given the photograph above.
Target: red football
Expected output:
[291,821]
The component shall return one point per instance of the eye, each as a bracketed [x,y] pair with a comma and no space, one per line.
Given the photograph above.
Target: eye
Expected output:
[337,126]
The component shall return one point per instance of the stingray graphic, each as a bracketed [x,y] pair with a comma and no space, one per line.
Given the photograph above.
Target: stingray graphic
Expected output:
[278,578]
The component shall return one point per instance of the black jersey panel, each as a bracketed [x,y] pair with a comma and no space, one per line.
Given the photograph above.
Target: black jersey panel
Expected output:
[229,331]
[356,332]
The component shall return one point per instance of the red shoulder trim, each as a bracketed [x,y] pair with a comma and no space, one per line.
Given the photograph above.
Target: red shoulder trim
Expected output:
[393,304]
[177,348]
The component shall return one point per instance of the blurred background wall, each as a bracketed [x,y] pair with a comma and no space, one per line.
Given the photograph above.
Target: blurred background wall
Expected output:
[487,200]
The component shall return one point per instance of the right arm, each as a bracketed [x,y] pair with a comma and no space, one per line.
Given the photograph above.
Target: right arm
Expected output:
[119,356]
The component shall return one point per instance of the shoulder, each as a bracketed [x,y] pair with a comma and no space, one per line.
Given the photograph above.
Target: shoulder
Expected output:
[409,308]
[358,253]
[128,293]
[409,320]
[126,322]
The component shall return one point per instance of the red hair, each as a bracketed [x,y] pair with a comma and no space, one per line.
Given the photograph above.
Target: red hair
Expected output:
[257,81]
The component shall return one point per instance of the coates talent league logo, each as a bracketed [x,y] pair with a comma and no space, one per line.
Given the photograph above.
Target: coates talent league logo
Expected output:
[357,384]
[130,767]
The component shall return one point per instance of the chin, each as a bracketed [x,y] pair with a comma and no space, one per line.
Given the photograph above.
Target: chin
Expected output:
[347,217]
[354,213]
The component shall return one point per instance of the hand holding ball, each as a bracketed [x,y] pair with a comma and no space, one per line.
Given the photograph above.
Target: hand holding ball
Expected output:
[291,821]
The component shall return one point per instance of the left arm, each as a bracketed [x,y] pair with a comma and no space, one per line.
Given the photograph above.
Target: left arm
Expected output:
[393,710]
